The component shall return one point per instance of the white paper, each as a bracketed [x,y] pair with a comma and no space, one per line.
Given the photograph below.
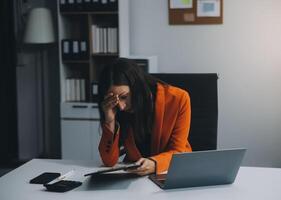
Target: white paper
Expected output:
[94,38]
[174,4]
[77,89]
[72,89]
[208,8]
[115,40]
[67,90]
[82,90]
[105,50]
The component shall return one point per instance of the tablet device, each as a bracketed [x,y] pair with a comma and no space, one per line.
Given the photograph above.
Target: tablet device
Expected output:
[113,169]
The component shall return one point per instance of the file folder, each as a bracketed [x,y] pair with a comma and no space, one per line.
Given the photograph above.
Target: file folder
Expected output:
[63,5]
[66,52]
[84,53]
[79,5]
[75,49]
[87,5]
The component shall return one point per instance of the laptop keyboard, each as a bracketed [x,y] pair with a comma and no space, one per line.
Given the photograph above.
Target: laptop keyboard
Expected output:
[161,178]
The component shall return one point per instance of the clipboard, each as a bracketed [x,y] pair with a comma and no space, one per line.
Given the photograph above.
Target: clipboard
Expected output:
[113,169]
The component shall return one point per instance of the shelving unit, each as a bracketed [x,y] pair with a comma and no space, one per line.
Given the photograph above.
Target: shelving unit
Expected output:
[75,24]
[80,132]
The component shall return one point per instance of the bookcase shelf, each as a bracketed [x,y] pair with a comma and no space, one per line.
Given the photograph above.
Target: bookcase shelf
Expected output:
[104,35]
[79,72]
[75,61]
[90,13]
[105,54]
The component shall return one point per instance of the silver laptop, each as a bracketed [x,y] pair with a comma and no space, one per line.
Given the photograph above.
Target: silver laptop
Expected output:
[201,168]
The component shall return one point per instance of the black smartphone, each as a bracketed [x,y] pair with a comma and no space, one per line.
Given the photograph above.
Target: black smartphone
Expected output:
[44,178]
[63,186]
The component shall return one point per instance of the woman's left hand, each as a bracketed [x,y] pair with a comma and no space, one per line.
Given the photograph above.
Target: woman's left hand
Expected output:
[147,167]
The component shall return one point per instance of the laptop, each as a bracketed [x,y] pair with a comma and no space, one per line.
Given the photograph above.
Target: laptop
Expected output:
[201,168]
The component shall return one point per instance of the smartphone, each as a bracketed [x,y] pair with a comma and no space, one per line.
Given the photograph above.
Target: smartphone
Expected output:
[63,186]
[44,178]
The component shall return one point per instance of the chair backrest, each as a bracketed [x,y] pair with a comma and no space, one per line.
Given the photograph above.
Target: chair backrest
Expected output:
[202,89]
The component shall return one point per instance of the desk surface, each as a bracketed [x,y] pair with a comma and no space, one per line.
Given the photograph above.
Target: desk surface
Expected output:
[251,183]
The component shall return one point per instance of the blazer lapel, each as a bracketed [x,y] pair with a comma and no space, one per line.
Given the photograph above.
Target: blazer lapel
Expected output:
[158,119]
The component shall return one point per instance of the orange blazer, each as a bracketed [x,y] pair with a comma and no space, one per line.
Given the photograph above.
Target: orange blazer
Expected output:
[169,135]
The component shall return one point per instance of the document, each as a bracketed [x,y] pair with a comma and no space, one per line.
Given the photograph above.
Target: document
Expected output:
[180,4]
[208,8]
[113,169]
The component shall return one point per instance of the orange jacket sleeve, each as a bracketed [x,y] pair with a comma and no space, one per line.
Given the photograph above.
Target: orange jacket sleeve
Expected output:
[108,146]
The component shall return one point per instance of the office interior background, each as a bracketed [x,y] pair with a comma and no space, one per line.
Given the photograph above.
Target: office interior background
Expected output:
[245,52]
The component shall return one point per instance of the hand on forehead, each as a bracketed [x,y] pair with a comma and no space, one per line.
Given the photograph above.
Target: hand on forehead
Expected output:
[119,90]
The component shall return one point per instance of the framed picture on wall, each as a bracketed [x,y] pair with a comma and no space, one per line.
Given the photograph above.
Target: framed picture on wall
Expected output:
[184,12]
[208,8]
[181,4]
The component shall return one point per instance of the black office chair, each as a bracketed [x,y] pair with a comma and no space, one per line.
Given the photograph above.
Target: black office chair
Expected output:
[202,89]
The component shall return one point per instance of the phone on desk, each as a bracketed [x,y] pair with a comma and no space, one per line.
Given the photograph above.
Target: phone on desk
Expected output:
[44,178]
[54,181]
[62,185]
[113,169]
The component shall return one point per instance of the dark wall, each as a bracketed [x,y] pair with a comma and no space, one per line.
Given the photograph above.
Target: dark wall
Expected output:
[8,128]
[54,147]
[51,143]
[15,133]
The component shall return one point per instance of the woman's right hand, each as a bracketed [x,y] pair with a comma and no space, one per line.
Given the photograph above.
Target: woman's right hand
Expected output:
[109,106]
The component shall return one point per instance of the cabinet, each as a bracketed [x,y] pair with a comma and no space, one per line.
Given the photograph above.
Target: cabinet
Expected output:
[91,34]
[80,131]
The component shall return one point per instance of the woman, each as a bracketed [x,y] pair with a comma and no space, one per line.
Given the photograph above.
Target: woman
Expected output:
[141,116]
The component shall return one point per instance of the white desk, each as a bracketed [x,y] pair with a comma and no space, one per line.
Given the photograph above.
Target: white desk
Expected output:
[251,183]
